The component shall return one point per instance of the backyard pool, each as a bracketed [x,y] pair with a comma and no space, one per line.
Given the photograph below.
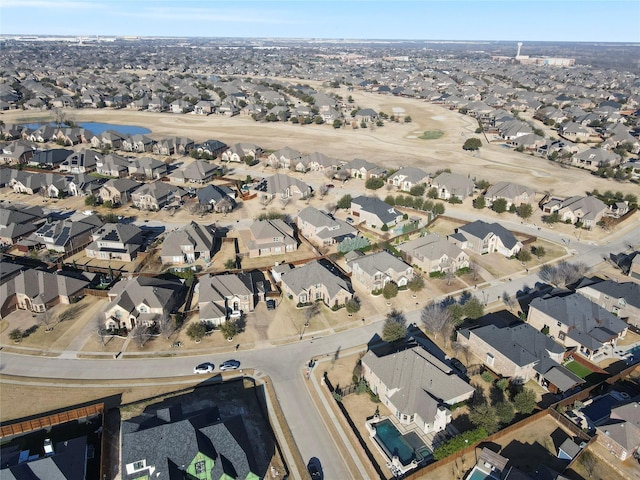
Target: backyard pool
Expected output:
[477,474]
[407,448]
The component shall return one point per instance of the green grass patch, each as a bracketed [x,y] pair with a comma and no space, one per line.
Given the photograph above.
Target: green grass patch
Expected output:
[431,134]
[579,369]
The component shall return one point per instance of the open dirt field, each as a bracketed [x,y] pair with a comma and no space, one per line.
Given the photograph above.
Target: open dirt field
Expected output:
[393,145]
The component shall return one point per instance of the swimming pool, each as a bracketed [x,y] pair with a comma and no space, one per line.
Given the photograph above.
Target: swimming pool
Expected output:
[477,474]
[395,444]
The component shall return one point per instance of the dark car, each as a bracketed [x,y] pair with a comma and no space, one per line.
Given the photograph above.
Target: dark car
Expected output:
[314,469]
[457,364]
[229,365]
[271,304]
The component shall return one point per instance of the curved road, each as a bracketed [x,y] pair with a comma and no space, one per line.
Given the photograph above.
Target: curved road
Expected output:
[285,364]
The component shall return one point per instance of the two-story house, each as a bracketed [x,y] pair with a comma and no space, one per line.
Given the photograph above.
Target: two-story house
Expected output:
[433,253]
[115,241]
[316,281]
[322,229]
[270,237]
[155,195]
[374,212]
[224,296]
[482,237]
[188,244]
[375,270]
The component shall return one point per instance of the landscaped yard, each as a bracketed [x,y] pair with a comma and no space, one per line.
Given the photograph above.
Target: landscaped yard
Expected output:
[579,369]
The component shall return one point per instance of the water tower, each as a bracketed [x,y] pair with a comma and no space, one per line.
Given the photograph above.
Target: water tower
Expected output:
[519,47]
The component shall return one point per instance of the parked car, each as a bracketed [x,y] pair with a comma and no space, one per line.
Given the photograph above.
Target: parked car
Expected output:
[457,364]
[330,185]
[203,368]
[315,469]
[271,304]
[229,365]
[349,220]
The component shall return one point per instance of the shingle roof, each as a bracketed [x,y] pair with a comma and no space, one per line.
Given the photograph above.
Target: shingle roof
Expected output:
[302,278]
[380,262]
[385,212]
[481,229]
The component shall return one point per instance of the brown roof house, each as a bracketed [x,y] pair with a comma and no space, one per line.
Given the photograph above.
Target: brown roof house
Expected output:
[38,291]
[320,228]
[375,270]
[433,253]
[188,244]
[620,435]
[117,190]
[316,281]
[270,237]
[224,296]
[416,386]
[576,322]
[115,241]
[142,300]
[482,237]
[521,353]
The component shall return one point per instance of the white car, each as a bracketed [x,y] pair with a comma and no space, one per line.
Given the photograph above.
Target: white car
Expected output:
[203,368]
[229,365]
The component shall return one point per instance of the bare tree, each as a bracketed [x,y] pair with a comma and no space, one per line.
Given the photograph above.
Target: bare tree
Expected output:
[563,273]
[437,320]
[100,330]
[141,333]
[508,300]
[331,207]
[166,324]
[323,190]
[311,311]
[46,319]
[473,268]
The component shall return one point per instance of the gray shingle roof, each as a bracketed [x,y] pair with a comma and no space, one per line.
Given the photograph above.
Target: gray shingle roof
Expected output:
[481,229]
[302,278]
[385,212]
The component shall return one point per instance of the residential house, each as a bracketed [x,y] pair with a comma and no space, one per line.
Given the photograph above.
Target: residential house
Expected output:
[38,291]
[155,195]
[118,191]
[115,241]
[520,353]
[452,184]
[634,269]
[147,168]
[270,237]
[415,386]
[587,210]
[168,443]
[375,270]
[17,152]
[188,244]
[595,158]
[16,224]
[69,234]
[173,145]
[48,159]
[578,323]
[374,212]
[197,171]
[143,301]
[108,139]
[283,186]
[513,193]
[360,168]
[211,148]
[46,184]
[82,161]
[321,228]
[408,177]
[220,199]
[83,185]
[620,435]
[284,158]
[316,281]
[575,131]
[137,143]
[366,115]
[433,253]
[482,237]
[224,296]
[238,152]
[204,107]
[319,162]
[621,299]
[112,165]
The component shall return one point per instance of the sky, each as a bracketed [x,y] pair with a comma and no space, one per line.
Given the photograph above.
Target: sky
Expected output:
[508,20]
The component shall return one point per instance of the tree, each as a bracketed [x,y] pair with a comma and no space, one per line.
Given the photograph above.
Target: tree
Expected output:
[485,416]
[438,208]
[524,255]
[499,205]
[374,183]
[91,201]
[344,202]
[337,123]
[525,210]
[196,330]
[432,193]
[589,462]
[141,333]
[389,290]
[46,319]
[479,202]
[472,144]
[437,319]
[394,327]
[473,308]
[352,306]
[538,251]
[16,335]
[166,324]
[505,411]
[525,401]
[230,264]
[407,119]
[418,190]
[502,384]
[551,218]
[416,283]
[230,328]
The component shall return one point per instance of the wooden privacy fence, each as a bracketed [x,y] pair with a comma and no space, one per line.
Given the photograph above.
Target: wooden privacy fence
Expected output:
[51,420]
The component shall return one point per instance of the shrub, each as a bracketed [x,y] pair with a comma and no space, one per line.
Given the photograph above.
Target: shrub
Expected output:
[16,334]
[487,376]
[459,442]
[196,330]
[525,401]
